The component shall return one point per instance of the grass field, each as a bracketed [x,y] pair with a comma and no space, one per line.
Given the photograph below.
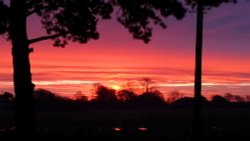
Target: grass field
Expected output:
[150,125]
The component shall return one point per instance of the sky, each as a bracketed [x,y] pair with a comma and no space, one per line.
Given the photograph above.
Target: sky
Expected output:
[116,58]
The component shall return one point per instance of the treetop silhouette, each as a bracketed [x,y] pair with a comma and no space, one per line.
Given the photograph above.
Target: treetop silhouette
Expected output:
[137,15]
[76,20]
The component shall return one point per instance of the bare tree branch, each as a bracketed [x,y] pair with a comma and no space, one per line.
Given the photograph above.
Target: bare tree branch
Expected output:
[35,40]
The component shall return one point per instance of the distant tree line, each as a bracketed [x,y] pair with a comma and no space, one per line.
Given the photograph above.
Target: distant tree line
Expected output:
[108,98]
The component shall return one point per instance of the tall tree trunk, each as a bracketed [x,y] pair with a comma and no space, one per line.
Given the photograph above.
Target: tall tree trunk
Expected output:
[24,107]
[197,123]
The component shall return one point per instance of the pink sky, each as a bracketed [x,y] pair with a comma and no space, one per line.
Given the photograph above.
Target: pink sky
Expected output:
[117,58]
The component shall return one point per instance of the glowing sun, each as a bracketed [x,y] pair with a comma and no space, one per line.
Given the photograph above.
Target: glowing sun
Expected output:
[115,87]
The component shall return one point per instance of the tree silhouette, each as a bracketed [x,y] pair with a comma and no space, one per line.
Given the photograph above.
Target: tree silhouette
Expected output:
[105,94]
[174,95]
[44,95]
[70,20]
[79,97]
[47,100]
[126,95]
[150,99]
[229,97]
[6,97]
[200,6]
[235,98]
[239,98]
[247,98]
[147,84]
[219,100]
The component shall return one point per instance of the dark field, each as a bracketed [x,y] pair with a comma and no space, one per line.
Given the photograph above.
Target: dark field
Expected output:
[233,124]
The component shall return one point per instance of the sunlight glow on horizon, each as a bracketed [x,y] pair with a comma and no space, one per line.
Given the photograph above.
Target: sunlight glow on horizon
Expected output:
[71,86]
[116,87]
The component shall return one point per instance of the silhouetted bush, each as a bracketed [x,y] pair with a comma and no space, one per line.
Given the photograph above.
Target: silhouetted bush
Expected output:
[173,96]
[105,95]
[150,99]
[47,100]
[188,102]
[126,95]
[6,100]
[219,101]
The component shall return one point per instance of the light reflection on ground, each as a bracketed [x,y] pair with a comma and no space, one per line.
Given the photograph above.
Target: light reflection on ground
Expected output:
[117,129]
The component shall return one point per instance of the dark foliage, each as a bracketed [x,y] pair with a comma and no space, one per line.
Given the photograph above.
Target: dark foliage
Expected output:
[44,95]
[47,100]
[208,4]
[173,96]
[219,99]
[6,101]
[4,17]
[187,102]
[76,20]
[137,15]
[105,95]
[150,99]
[6,97]
[229,97]
[73,20]
[126,95]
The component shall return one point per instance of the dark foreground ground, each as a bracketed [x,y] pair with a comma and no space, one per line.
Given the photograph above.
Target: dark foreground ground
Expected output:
[135,125]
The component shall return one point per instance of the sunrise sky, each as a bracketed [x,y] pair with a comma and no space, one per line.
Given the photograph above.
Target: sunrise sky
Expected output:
[116,58]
